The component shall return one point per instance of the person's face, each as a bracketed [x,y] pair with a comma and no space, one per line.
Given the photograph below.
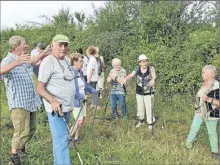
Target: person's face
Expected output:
[143,63]
[117,66]
[60,50]
[78,64]
[207,74]
[22,48]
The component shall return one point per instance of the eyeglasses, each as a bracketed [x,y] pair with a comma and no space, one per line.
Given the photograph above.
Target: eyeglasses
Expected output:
[67,74]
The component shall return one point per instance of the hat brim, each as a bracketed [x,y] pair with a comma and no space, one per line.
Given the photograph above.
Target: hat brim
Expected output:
[60,41]
[142,60]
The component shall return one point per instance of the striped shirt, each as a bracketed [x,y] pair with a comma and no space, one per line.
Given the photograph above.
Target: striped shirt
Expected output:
[19,85]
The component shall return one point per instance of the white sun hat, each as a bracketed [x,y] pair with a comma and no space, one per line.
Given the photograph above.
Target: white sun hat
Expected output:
[142,57]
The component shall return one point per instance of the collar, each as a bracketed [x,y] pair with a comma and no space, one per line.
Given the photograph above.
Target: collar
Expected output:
[13,55]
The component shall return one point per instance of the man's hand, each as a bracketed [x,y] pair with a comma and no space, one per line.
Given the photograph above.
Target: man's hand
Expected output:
[56,106]
[24,58]
[47,51]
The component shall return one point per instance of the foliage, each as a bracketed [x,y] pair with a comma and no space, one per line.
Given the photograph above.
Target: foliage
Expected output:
[179,42]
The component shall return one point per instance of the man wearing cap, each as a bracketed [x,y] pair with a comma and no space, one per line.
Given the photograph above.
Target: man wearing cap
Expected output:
[23,100]
[146,76]
[57,87]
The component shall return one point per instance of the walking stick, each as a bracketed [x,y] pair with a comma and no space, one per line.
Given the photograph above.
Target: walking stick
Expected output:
[152,109]
[125,98]
[94,114]
[106,105]
[75,122]
[70,137]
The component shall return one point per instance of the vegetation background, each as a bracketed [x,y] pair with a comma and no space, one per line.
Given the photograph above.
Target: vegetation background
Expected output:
[178,42]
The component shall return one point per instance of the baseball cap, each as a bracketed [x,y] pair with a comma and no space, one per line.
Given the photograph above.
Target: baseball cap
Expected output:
[61,38]
[142,57]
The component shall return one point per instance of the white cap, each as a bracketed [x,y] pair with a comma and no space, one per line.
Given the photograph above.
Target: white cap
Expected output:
[142,57]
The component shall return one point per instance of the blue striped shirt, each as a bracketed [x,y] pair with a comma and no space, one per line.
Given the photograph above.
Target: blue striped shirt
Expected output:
[19,85]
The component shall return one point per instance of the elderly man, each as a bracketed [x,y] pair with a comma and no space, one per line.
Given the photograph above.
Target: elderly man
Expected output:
[57,87]
[23,100]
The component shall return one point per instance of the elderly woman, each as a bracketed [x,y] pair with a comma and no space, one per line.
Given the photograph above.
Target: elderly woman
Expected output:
[145,81]
[116,77]
[202,113]
[79,111]
[92,73]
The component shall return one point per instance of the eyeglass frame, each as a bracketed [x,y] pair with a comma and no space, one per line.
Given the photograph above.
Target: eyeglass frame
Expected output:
[62,68]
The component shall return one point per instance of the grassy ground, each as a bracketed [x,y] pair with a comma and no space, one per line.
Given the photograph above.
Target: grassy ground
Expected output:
[119,142]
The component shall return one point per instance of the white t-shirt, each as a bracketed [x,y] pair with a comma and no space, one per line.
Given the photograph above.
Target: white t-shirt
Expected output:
[81,86]
[93,65]
[85,63]
[34,52]
[52,75]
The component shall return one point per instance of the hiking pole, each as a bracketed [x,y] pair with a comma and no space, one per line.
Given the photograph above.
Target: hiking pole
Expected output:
[125,97]
[152,109]
[75,122]
[94,114]
[77,152]
[106,105]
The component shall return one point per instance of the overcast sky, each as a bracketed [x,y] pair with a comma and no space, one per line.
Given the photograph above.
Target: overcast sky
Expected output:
[20,11]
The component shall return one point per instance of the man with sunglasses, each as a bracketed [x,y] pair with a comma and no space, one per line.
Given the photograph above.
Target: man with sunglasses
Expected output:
[57,87]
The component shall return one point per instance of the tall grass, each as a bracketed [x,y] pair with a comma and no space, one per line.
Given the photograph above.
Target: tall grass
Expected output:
[119,142]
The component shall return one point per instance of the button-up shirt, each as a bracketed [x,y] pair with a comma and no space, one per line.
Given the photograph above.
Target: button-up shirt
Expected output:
[20,90]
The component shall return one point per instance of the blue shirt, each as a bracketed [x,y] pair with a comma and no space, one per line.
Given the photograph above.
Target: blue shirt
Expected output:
[19,85]
[78,95]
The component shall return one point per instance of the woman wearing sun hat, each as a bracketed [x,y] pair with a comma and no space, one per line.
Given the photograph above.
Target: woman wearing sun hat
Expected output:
[145,81]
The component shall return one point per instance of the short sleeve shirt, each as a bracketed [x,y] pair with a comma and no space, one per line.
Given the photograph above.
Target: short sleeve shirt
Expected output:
[92,64]
[52,75]
[20,90]
[117,88]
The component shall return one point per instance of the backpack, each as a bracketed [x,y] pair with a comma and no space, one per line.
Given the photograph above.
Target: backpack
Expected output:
[99,65]
[86,57]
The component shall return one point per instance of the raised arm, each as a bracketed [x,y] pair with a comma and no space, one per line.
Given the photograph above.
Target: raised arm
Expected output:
[130,76]
[23,58]
[41,55]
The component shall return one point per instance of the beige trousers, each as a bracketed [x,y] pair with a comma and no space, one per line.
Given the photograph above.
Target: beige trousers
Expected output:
[25,125]
[144,104]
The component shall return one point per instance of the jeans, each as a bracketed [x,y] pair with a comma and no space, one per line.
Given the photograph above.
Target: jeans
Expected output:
[36,70]
[212,132]
[121,99]
[60,139]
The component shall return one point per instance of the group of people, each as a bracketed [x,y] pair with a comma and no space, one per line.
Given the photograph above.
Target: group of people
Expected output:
[64,81]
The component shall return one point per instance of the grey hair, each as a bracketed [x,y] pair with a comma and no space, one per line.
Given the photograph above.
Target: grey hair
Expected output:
[116,61]
[210,67]
[15,41]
